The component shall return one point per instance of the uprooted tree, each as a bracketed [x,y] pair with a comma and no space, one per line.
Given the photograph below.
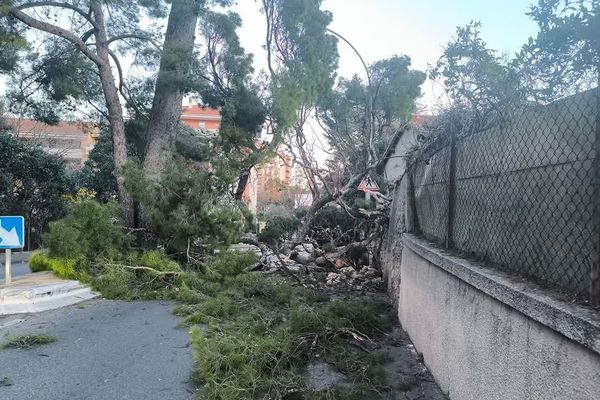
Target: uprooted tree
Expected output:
[362,122]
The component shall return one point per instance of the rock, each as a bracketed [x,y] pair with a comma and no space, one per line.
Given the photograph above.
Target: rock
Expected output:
[349,272]
[294,267]
[321,261]
[322,376]
[306,248]
[333,278]
[304,258]
[270,261]
[244,247]
[377,281]
[369,272]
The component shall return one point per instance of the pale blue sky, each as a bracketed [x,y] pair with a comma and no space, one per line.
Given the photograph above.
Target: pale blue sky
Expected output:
[417,28]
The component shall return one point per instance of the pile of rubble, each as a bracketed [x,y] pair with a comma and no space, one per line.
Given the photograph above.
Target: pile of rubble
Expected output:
[307,259]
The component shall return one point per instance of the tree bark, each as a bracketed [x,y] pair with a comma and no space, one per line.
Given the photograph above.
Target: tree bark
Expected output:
[242,183]
[115,113]
[168,96]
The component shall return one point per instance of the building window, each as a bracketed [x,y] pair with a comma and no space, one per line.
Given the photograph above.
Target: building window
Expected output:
[201,125]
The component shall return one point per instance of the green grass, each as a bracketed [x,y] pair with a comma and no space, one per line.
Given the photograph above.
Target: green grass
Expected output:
[261,332]
[27,341]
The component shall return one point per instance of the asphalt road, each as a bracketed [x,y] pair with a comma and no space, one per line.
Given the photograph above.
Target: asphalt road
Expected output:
[16,268]
[108,350]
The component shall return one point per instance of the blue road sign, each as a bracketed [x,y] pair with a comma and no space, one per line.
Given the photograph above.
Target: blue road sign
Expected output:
[12,232]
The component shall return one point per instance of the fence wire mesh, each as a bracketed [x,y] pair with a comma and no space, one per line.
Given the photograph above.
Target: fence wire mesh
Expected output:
[522,195]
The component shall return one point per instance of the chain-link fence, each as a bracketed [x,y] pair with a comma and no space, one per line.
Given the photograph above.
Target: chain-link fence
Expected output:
[522,196]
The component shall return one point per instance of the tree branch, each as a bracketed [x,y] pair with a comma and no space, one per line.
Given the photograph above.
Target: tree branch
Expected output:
[134,36]
[57,4]
[57,31]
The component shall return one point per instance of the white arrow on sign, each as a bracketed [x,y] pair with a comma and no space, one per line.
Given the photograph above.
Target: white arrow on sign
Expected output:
[9,238]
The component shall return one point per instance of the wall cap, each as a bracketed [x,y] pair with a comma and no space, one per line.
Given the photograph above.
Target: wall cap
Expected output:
[578,323]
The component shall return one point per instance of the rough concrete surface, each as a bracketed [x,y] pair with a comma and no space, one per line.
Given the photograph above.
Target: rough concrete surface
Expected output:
[480,348]
[108,350]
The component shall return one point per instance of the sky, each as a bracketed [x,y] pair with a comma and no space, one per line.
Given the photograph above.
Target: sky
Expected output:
[417,28]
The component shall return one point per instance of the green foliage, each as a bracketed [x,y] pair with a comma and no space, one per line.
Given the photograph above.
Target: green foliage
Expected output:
[27,341]
[89,231]
[32,184]
[475,76]
[12,42]
[63,268]
[97,173]
[331,222]
[6,381]
[308,53]
[349,118]
[157,260]
[563,58]
[228,264]
[279,227]
[262,332]
[187,206]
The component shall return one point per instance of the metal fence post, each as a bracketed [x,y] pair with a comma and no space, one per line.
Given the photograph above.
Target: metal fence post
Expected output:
[451,192]
[595,262]
[411,217]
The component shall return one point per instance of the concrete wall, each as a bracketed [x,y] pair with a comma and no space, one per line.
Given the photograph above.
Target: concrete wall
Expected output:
[486,336]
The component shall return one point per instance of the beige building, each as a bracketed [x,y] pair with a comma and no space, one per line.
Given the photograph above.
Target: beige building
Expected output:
[72,141]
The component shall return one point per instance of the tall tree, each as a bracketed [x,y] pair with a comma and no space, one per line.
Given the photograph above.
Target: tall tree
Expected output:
[101,31]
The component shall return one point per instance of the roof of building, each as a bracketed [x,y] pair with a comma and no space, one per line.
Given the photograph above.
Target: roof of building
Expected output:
[26,125]
[197,111]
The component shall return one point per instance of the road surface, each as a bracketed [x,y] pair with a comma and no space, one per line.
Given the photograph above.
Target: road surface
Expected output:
[107,350]
[16,268]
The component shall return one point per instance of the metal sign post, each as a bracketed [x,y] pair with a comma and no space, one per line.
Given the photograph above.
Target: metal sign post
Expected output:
[7,274]
[12,236]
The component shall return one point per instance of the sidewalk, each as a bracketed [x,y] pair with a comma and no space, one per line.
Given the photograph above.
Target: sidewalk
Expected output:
[40,291]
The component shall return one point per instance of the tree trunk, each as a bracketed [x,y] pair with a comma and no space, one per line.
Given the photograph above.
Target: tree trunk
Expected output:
[168,96]
[242,183]
[115,114]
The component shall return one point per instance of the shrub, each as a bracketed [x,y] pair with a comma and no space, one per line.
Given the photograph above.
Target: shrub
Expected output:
[90,230]
[32,184]
[63,268]
[188,207]
[227,264]
[278,228]
[158,260]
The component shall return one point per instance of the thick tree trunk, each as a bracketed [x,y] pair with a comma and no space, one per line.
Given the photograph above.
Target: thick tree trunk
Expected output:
[174,66]
[115,114]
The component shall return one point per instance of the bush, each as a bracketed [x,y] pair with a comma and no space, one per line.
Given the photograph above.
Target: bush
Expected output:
[157,260]
[331,221]
[90,230]
[228,264]
[278,228]
[32,184]
[63,268]
[188,207]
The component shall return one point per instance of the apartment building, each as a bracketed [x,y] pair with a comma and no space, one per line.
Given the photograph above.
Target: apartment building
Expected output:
[72,141]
